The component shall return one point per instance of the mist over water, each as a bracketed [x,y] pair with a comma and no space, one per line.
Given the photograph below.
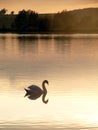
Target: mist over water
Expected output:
[68,62]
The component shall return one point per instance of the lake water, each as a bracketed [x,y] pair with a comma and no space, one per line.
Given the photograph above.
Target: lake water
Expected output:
[68,62]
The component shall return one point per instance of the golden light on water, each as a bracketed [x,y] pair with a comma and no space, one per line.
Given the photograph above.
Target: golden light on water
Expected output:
[70,66]
[69,108]
[70,105]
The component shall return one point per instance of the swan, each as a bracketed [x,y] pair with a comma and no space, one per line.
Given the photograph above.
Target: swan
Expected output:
[33,92]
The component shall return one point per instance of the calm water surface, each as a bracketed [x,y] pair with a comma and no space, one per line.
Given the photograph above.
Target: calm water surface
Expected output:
[68,62]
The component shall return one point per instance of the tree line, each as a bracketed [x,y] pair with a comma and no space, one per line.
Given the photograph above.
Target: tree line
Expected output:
[82,20]
[29,21]
[4,11]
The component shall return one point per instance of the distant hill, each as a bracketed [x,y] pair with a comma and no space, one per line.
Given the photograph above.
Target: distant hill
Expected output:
[81,20]
[85,19]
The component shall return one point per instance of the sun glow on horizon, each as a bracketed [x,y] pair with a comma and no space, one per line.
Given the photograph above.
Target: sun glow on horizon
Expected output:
[46,6]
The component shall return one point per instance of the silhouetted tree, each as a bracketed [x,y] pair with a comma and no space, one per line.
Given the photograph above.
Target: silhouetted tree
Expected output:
[62,21]
[12,12]
[32,20]
[20,20]
[26,21]
[3,11]
[44,24]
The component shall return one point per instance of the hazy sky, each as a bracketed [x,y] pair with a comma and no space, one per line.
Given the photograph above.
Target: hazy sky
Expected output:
[46,6]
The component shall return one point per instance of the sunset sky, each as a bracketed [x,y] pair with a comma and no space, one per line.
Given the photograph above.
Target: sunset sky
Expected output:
[46,6]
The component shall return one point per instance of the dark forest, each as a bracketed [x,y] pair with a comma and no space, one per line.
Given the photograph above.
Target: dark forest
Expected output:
[28,21]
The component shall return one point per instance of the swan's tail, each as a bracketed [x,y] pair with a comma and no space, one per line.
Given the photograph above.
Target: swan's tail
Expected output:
[27,92]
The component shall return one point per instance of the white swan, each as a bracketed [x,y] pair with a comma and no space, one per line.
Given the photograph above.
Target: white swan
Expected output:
[33,92]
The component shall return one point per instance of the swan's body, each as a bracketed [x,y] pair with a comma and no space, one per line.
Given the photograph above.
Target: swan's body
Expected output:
[33,92]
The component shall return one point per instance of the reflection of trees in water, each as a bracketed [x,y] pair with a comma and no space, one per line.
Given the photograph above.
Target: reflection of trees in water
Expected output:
[45,46]
[2,43]
[62,45]
[27,45]
[34,44]
[27,56]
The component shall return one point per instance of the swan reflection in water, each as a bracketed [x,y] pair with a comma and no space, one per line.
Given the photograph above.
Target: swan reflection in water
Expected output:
[33,92]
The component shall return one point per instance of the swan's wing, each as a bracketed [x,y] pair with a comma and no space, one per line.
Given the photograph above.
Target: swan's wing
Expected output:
[35,88]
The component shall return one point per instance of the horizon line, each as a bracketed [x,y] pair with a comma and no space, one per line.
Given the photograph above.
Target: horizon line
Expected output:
[50,12]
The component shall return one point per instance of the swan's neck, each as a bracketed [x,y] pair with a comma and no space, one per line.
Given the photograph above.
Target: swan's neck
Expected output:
[43,99]
[44,88]
[44,93]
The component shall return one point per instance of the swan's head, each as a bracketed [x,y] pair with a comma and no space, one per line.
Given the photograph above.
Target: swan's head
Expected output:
[46,81]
